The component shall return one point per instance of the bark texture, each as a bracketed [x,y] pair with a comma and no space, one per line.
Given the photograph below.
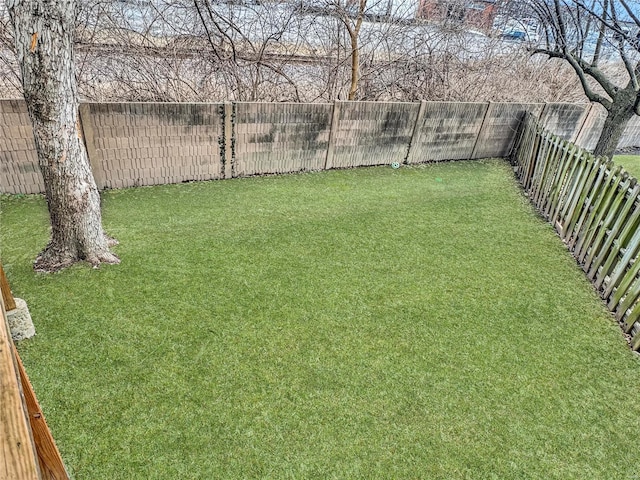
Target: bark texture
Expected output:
[567,27]
[619,112]
[43,37]
[354,34]
[614,127]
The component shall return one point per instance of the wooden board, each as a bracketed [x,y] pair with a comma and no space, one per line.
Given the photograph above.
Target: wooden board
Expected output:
[7,296]
[17,449]
[49,458]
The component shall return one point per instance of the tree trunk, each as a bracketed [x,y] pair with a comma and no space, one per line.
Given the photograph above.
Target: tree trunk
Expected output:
[43,37]
[618,117]
[354,33]
[355,67]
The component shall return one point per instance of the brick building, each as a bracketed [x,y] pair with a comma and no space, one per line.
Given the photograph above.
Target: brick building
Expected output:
[477,13]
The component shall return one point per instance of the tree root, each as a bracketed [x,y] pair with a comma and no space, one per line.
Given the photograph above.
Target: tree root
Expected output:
[111,242]
[105,257]
[48,264]
[52,259]
[45,263]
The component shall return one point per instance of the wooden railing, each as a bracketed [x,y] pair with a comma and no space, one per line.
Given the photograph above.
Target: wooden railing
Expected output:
[595,208]
[28,449]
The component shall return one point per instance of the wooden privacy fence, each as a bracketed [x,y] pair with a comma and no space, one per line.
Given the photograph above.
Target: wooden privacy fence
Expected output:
[133,144]
[28,449]
[595,207]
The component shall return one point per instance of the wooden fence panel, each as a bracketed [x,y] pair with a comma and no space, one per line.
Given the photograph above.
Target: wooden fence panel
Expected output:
[132,144]
[565,155]
[19,171]
[631,135]
[18,444]
[447,131]
[372,133]
[564,119]
[619,206]
[595,206]
[280,137]
[19,457]
[592,128]
[498,133]
[625,225]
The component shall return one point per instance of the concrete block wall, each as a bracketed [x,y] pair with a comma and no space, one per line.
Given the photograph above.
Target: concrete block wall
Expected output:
[132,144]
[19,171]
[280,137]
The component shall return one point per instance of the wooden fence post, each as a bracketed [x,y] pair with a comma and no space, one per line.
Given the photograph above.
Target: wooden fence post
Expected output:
[19,459]
[7,296]
[14,377]
[335,120]
[542,112]
[481,131]
[585,119]
[227,138]
[49,459]
[416,135]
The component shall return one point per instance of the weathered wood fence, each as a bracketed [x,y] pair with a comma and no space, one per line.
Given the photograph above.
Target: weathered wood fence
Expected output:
[28,449]
[595,207]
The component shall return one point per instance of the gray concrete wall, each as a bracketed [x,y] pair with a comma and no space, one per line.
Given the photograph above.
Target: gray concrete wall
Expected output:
[132,144]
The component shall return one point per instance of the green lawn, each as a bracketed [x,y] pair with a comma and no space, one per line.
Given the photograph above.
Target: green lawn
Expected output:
[371,323]
[631,163]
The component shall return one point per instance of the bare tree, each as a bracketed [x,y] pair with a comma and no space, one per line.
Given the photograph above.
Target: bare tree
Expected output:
[588,36]
[352,17]
[301,50]
[9,75]
[253,46]
[43,32]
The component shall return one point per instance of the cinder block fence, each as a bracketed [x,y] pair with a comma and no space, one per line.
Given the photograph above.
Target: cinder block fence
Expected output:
[132,144]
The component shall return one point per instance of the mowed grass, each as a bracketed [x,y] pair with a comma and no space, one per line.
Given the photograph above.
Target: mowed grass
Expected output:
[631,163]
[372,323]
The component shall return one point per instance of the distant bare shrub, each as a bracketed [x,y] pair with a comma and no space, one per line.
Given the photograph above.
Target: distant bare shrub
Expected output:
[181,51]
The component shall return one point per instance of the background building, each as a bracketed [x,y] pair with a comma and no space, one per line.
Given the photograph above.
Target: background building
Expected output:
[477,13]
